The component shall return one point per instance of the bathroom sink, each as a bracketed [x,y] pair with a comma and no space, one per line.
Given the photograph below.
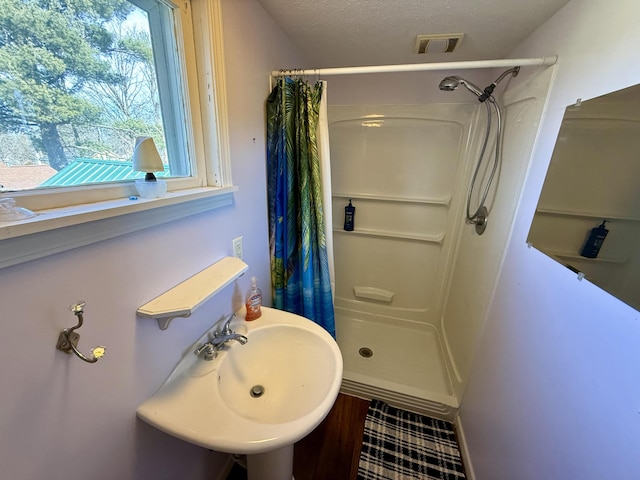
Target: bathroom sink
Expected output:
[252,398]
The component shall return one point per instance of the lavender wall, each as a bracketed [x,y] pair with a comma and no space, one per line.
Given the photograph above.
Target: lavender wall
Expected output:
[555,389]
[62,418]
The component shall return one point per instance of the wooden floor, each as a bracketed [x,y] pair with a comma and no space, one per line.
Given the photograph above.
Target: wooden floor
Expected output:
[332,450]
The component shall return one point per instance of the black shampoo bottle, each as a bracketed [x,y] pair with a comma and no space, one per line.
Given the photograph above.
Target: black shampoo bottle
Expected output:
[349,217]
[594,241]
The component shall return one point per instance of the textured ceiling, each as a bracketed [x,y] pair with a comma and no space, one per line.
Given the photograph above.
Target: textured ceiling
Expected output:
[338,33]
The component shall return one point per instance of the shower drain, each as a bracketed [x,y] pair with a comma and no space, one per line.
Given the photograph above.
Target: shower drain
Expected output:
[365,352]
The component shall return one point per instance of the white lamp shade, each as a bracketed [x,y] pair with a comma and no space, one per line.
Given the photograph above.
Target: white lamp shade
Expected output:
[146,157]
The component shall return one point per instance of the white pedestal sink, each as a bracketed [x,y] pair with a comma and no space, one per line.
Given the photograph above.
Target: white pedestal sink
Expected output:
[256,399]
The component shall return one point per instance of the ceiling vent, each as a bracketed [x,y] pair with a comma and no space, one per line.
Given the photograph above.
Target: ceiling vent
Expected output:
[438,43]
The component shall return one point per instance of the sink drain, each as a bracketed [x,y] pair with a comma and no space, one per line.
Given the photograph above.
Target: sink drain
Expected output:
[365,352]
[256,391]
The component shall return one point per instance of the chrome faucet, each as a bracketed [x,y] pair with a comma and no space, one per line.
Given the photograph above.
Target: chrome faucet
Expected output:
[226,329]
[219,339]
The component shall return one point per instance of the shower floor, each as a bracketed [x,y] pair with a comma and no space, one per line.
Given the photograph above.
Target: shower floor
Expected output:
[406,367]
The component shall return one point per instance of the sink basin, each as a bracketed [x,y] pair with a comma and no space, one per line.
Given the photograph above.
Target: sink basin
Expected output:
[252,398]
[280,377]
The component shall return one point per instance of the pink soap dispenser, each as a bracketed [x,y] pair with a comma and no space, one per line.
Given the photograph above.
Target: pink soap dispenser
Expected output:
[253,301]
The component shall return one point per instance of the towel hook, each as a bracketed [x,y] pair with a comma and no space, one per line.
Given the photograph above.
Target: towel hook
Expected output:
[68,339]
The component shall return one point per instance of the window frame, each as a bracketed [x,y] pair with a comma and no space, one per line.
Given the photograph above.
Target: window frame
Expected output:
[63,214]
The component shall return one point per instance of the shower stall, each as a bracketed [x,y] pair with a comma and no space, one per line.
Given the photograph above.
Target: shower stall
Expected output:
[413,280]
[402,167]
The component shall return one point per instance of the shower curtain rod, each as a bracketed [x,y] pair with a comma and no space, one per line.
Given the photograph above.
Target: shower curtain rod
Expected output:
[418,67]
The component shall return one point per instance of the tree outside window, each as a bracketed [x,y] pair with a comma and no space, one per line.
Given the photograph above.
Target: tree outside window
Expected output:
[77,81]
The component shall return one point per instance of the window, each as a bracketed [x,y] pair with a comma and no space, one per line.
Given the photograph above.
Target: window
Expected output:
[117,69]
[79,81]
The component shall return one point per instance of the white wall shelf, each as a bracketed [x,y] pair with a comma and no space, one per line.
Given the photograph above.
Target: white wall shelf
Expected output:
[184,298]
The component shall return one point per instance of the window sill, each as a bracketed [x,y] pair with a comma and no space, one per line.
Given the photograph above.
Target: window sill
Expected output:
[60,229]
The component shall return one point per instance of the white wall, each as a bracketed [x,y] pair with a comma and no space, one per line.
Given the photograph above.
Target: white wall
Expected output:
[555,389]
[62,418]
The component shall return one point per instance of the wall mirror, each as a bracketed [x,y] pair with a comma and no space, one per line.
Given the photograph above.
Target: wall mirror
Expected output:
[594,177]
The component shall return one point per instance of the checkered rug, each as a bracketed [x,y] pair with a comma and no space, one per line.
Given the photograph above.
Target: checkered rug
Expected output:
[402,445]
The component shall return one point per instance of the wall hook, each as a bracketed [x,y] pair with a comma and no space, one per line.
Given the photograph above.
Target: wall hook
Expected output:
[68,339]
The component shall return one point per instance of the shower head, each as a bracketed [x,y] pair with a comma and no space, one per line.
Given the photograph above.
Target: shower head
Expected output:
[448,84]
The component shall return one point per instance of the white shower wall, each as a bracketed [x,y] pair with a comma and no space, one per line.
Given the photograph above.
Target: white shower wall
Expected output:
[413,282]
[404,169]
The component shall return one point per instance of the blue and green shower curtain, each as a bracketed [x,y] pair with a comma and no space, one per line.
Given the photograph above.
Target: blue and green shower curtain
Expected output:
[297,241]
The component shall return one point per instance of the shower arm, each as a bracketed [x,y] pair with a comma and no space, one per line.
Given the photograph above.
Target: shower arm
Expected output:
[489,90]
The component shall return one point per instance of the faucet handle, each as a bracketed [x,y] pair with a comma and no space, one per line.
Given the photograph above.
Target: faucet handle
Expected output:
[209,351]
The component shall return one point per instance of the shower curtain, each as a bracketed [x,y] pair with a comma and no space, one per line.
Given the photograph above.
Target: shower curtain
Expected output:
[300,276]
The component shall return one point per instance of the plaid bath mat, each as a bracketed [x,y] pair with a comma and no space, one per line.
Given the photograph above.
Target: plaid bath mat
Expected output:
[402,445]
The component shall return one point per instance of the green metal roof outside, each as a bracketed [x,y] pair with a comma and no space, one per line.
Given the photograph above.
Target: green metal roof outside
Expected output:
[89,170]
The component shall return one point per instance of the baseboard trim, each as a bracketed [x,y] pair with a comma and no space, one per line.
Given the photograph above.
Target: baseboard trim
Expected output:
[464,451]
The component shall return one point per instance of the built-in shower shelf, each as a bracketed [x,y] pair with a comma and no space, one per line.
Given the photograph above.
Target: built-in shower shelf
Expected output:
[575,256]
[570,213]
[435,239]
[184,298]
[394,198]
